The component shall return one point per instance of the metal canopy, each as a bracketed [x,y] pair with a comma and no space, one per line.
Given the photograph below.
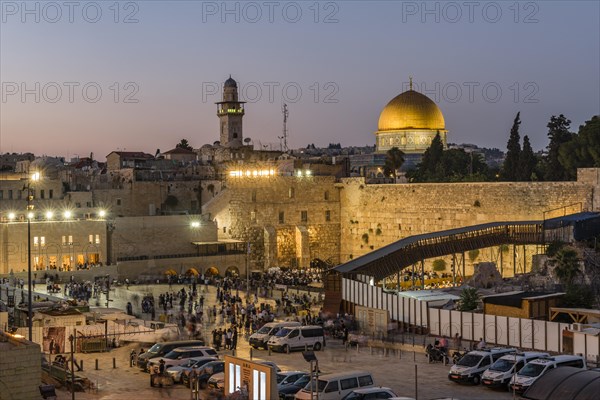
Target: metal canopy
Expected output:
[389,259]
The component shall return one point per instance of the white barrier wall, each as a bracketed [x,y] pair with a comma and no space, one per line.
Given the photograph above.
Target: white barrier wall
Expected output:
[496,330]
[402,309]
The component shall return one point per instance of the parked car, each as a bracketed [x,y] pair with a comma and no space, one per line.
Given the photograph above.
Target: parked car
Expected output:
[204,374]
[371,393]
[335,386]
[503,369]
[182,354]
[261,337]
[536,368]
[178,371]
[162,348]
[470,367]
[288,377]
[217,381]
[298,338]
[288,392]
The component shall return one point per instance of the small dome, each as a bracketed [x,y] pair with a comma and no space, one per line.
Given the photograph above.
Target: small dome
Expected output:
[411,110]
[230,83]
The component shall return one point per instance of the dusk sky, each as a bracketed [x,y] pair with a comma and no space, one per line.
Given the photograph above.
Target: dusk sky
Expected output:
[157,65]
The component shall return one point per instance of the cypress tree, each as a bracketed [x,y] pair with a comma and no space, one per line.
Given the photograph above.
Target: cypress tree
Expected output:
[527,161]
[510,168]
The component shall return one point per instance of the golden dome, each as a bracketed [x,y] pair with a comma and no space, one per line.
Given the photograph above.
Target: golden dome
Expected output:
[411,110]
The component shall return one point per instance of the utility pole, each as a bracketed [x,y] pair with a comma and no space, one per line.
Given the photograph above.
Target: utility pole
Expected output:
[286,113]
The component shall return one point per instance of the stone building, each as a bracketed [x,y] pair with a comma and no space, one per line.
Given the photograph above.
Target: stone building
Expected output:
[20,368]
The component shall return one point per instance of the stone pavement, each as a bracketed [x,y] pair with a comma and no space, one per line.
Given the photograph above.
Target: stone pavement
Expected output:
[398,373]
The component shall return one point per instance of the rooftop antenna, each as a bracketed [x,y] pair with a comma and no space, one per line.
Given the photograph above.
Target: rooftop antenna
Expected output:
[410,84]
[286,113]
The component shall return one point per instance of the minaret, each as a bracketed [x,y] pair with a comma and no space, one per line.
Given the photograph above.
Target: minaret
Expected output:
[230,112]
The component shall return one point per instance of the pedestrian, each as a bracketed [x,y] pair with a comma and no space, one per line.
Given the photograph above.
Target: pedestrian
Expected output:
[132,358]
[481,344]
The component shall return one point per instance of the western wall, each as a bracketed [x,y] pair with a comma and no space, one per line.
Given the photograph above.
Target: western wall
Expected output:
[364,217]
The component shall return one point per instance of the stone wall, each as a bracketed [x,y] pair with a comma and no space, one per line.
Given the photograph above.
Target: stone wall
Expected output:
[158,235]
[375,215]
[252,206]
[366,217]
[20,369]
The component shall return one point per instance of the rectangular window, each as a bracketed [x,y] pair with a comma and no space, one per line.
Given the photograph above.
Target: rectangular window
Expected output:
[36,241]
[50,193]
[88,204]
[349,383]
[10,194]
[281,217]
[366,380]
[304,216]
[42,194]
[97,239]
[118,202]
[253,216]
[42,241]
[78,205]
[326,195]
[64,240]
[1,194]
[91,239]
[254,196]
[70,240]
[327,215]
[291,193]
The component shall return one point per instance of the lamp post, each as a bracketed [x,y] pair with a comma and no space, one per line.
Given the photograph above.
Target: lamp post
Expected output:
[33,177]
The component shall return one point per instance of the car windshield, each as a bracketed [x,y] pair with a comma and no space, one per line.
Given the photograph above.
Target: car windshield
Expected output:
[280,377]
[172,355]
[211,352]
[283,332]
[532,370]
[302,381]
[359,396]
[469,360]
[264,330]
[155,348]
[502,365]
[319,387]
[190,362]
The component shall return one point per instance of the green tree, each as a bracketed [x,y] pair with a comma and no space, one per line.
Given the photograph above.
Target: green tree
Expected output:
[583,151]
[468,299]
[567,266]
[183,144]
[394,158]
[579,296]
[527,161]
[439,265]
[510,168]
[558,133]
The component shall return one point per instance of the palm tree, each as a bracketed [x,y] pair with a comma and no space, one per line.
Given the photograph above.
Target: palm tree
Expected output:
[394,159]
[567,266]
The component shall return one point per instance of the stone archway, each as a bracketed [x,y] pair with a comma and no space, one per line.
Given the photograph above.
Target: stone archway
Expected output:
[211,271]
[192,272]
[232,271]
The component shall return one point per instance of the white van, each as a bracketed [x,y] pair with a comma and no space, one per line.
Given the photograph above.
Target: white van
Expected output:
[500,373]
[261,337]
[470,367]
[336,386]
[297,338]
[536,368]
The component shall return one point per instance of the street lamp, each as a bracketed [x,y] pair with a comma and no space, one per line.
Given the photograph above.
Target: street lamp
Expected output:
[33,177]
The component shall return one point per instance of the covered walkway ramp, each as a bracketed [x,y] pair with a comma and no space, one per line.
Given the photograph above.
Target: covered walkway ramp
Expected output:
[389,260]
